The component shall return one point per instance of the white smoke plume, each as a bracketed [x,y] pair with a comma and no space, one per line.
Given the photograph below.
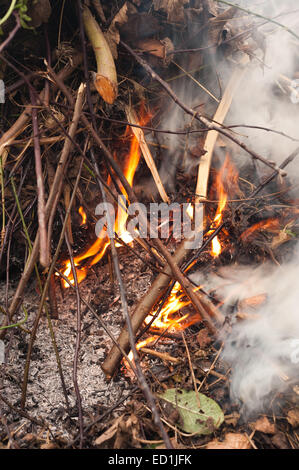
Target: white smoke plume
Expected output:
[263,351]
[267,96]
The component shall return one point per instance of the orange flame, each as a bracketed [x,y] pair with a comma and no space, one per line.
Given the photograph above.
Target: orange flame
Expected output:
[99,247]
[83,215]
[166,319]
[271,224]
[227,176]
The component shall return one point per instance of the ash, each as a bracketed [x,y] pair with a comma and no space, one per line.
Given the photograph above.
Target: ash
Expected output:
[45,398]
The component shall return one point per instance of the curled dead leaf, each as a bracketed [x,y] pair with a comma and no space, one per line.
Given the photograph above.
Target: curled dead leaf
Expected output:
[263,425]
[203,338]
[293,417]
[112,35]
[157,48]
[173,8]
[48,446]
[231,441]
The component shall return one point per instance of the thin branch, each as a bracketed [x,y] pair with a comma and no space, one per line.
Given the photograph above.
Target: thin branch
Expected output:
[11,34]
[44,255]
[78,341]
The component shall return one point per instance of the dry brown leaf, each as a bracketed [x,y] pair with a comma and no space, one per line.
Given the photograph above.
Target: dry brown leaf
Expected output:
[280,441]
[173,8]
[157,48]
[107,435]
[279,239]
[231,441]
[48,445]
[217,24]
[112,36]
[152,46]
[293,417]
[203,338]
[232,419]
[264,425]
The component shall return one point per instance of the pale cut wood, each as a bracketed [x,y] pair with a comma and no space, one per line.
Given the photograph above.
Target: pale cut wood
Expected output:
[106,77]
[139,134]
[222,110]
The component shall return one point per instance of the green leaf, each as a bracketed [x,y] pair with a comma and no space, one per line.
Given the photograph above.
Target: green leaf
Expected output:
[203,419]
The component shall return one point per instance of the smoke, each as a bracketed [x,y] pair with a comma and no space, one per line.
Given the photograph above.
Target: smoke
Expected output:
[263,351]
[263,99]
[267,97]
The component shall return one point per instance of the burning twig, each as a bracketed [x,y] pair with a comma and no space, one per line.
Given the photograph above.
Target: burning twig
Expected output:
[146,304]
[283,165]
[106,78]
[163,356]
[139,134]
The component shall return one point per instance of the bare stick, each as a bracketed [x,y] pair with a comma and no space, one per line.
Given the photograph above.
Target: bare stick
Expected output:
[11,34]
[163,356]
[139,134]
[44,255]
[66,194]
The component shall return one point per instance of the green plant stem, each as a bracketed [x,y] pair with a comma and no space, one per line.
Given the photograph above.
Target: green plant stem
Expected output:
[15,324]
[9,12]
